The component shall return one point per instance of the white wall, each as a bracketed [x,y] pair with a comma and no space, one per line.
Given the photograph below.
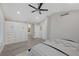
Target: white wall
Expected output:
[1,30]
[64,26]
[15,32]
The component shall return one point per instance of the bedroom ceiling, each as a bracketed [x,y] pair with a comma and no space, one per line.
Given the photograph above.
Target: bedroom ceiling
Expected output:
[22,12]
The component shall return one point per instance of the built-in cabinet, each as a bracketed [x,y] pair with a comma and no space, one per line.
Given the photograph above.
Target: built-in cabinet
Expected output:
[15,32]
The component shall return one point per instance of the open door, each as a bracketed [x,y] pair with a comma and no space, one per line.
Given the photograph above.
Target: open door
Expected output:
[30,31]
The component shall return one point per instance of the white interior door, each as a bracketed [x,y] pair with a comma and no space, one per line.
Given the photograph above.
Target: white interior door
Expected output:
[43,27]
[37,32]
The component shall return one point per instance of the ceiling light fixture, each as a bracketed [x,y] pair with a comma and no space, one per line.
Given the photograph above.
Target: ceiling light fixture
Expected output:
[18,12]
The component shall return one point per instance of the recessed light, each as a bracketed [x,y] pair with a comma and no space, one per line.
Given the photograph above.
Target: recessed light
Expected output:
[18,12]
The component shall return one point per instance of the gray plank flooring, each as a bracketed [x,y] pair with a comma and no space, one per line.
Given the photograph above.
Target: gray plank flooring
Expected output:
[17,48]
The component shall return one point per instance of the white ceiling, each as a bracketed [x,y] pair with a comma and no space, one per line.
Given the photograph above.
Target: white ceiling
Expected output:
[22,12]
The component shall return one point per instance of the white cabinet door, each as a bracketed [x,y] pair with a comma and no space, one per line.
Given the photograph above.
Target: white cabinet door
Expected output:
[15,32]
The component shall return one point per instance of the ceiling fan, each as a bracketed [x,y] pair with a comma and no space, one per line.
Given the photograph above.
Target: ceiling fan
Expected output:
[38,8]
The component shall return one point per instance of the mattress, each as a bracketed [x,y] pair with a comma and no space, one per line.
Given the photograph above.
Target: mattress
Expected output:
[60,48]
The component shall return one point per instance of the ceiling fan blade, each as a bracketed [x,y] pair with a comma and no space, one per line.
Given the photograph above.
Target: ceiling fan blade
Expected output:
[32,6]
[40,5]
[34,11]
[43,9]
[39,12]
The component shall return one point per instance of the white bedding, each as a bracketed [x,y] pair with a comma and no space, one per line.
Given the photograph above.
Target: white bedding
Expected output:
[41,49]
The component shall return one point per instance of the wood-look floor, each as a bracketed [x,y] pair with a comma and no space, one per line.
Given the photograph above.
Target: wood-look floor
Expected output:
[16,48]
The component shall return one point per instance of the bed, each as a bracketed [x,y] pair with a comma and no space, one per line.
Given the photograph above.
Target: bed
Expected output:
[57,47]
